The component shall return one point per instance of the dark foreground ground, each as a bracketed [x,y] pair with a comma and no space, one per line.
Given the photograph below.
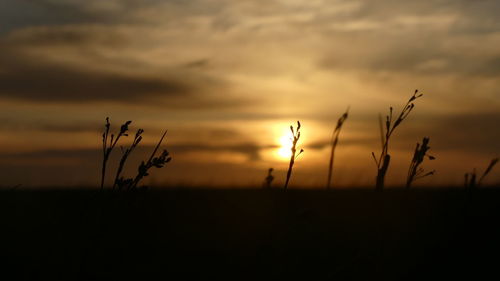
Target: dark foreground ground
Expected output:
[250,235]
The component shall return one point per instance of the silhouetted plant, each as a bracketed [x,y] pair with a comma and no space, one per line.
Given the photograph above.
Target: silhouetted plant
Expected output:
[492,164]
[470,178]
[108,147]
[294,139]
[119,181]
[157,162]
[269,179]
[383,161]
[416,172]
[334,142]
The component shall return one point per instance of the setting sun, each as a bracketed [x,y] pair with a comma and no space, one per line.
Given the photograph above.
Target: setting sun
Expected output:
[285,142]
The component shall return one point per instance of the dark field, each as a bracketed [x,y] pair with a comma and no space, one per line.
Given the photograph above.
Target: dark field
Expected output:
[250,235]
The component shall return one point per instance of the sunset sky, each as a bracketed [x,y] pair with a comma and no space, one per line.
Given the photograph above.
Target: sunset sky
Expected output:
[228,78]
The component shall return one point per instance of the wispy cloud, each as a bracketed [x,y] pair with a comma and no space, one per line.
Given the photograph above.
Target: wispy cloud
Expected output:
[68,65]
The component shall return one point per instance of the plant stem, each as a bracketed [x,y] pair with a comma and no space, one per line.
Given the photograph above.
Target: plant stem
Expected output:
[382,172]
[290,167]
[148,164]
[335,140]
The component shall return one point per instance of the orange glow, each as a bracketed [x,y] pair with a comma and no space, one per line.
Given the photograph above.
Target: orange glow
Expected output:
[284,151]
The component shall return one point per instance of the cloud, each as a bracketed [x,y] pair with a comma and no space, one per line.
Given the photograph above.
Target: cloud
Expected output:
[432,37]
[20,14]
[473,132]
[198,63]
[17,125]
[251,150]
[419,37]
[74,64]
[49,82]
[361,141]
[417,54]
[466,132]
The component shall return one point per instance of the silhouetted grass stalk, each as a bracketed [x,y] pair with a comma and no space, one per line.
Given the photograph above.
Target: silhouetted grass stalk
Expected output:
[269,178]
[153,161]
[492,164]
[334,142]
[416,172]
[383,161]
[470,179]
[125,155]
[107,148]
[295,138]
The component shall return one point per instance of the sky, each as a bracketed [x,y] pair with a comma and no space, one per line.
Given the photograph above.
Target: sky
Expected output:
[228,78]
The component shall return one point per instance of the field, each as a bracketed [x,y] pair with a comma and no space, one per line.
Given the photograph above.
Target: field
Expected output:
[250,234]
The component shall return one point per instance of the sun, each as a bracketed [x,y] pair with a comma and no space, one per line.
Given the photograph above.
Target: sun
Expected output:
[284,150]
